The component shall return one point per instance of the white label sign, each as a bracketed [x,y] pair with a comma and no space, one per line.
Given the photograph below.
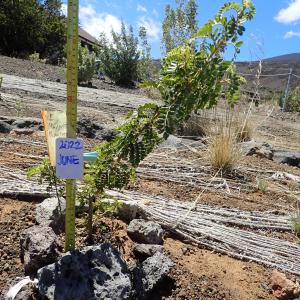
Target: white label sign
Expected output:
[69,158]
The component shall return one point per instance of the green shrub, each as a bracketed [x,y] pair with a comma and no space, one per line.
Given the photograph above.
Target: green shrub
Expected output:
[293,101]
[36,58]
[120,58]
[86,64]
[191,79]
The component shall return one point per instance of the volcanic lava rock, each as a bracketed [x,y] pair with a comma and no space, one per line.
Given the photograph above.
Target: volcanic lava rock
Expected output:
[145,232]
[51,212]
[38,248]
[5,127]
[92,130]
[152,272]
[287,157]
[146,250]
[252,147]
[96,272]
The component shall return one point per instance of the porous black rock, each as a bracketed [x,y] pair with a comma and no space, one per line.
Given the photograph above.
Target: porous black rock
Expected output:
[5,127]
[38,247]
[90,129]
[147,250]
[152,272]
[287,157]
[96,272]
[145,232]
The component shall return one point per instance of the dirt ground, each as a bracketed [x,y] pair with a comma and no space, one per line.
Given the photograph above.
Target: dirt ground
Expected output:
[36,70]
[198,273]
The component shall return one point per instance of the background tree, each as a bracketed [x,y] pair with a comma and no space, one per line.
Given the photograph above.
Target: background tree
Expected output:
[119,58]
[32,26]
[146,69]
[179,24]
[54,24]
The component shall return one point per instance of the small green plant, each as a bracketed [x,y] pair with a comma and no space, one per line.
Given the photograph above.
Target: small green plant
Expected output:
[296,221]
[36,58]
[262,185]
[46,174]
[19,107]
[108,208]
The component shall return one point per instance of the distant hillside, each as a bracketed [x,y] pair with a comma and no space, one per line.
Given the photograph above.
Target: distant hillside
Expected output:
[292,57]
[278,67]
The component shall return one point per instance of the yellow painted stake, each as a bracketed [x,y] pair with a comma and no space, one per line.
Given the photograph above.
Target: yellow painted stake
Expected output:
[72,73]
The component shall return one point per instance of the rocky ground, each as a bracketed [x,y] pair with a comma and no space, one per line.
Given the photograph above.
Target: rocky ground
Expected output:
[198,272]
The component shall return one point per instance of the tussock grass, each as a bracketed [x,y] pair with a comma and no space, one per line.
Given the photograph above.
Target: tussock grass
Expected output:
[223,149]
[206,124]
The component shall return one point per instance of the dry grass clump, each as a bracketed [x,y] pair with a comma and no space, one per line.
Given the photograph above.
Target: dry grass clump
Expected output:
[223,149]
[244,129]
[197,125]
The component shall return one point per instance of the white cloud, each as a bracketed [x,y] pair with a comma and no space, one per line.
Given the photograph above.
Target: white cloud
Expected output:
[291,34]
[87,11]
[141,8]
[153,28]
[289,15]
[64,9]
[95,23]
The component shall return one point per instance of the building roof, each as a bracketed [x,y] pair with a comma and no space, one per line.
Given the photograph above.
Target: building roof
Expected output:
[86,37]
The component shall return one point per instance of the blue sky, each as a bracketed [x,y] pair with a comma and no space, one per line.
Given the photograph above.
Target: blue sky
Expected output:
[275,29]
